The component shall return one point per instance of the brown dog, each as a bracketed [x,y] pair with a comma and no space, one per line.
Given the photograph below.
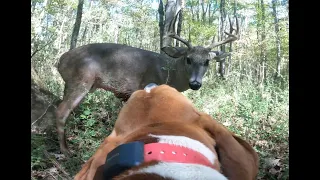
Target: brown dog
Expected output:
[179,142]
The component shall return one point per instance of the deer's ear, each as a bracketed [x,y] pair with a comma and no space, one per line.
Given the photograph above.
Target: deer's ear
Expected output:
[236,156]
[175,52]
[218,55]
[213,54]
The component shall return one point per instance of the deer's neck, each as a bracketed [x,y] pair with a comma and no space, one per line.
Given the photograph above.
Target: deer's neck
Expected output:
[177,75]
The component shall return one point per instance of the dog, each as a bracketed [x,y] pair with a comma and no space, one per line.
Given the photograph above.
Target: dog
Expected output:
[168,138]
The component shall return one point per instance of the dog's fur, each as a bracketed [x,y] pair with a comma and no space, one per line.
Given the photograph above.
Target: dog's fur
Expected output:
[165,115]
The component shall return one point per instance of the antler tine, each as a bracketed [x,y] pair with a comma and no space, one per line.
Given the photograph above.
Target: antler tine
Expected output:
[231,37]
[172,33]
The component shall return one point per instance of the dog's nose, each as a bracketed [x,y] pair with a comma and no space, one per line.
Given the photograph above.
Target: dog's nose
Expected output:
[149,87]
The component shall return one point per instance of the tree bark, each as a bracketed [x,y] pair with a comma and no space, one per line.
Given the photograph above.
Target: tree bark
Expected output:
[172,8]
[179,26]
[198,11]
[230,46]
[276,30]
[161,25]
[222,47]
[263,57]
[204,11]
[77,24]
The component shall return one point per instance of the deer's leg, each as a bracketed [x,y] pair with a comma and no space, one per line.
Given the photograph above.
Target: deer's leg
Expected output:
[72,97]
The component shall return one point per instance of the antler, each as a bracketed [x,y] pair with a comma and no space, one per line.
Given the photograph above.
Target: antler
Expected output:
[172,33]
[231,37]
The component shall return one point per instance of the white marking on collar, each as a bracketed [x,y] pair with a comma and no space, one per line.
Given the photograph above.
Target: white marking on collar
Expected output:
[188,143]
[183,171]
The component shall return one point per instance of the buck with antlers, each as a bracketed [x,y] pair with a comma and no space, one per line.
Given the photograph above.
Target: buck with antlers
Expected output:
[123,69]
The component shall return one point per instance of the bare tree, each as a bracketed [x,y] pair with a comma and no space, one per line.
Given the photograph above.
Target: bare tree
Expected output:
[76,28]
[172,8]
[204,10]
[278,43]
[222,47]
[230,46]
[263,56]
[161,24]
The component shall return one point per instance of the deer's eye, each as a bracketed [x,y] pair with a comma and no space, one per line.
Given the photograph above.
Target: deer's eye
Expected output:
[207,62]
[188,60]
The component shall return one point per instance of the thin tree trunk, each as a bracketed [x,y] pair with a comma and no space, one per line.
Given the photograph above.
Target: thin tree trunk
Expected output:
[222,47]
[77,24]
[172,8]
[192,13]
[179,26]
[161,23]
[169,15]
[276,30]
[198,12]
[204,11]
[209,13]
[230,47]
[263,45]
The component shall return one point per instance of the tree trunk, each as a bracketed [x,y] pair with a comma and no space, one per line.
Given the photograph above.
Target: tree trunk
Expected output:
[263,58]
[77,24]
[161,24]
[172,8]
[222,47]
[198,11]
[204,11]
[209,13]
[179,26]
[276,30]
[230,47]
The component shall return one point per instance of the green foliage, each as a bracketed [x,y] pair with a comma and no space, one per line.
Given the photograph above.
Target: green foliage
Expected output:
[261,116]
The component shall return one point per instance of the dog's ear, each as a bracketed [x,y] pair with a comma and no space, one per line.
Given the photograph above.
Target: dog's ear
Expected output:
[93,168]
[237,158]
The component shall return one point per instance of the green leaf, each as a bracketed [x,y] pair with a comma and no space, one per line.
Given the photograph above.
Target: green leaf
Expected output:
[86,112]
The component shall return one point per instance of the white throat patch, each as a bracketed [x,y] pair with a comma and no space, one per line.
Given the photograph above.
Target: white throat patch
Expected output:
[183,171]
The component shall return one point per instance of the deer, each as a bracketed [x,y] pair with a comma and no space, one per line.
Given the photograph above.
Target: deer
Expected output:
[122,69]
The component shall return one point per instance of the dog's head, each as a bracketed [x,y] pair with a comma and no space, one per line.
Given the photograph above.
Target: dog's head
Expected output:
[237,158]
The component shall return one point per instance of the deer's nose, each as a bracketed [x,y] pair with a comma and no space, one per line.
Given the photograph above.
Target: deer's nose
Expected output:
[194,85]
[149,87]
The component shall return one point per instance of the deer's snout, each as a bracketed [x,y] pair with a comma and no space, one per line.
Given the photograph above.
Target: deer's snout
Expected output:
[194,85]
[149,87]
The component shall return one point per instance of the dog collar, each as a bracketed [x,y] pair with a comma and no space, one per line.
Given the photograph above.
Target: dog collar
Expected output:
[132,154]
[172,153]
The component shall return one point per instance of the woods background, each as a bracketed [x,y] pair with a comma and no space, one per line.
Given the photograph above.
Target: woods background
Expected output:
[248,92]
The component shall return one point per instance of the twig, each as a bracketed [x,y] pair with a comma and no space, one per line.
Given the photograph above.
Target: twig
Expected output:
[37,50]
[41,115]
[51,175]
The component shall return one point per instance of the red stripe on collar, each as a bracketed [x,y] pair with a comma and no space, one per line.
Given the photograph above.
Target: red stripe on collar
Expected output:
[172,153]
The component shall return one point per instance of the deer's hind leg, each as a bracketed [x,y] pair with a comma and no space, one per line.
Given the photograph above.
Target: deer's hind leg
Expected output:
[73,94]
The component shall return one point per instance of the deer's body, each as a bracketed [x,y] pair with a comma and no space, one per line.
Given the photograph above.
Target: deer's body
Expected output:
[120,69]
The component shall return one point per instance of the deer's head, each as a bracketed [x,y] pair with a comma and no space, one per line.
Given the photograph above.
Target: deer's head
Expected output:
[197,58]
